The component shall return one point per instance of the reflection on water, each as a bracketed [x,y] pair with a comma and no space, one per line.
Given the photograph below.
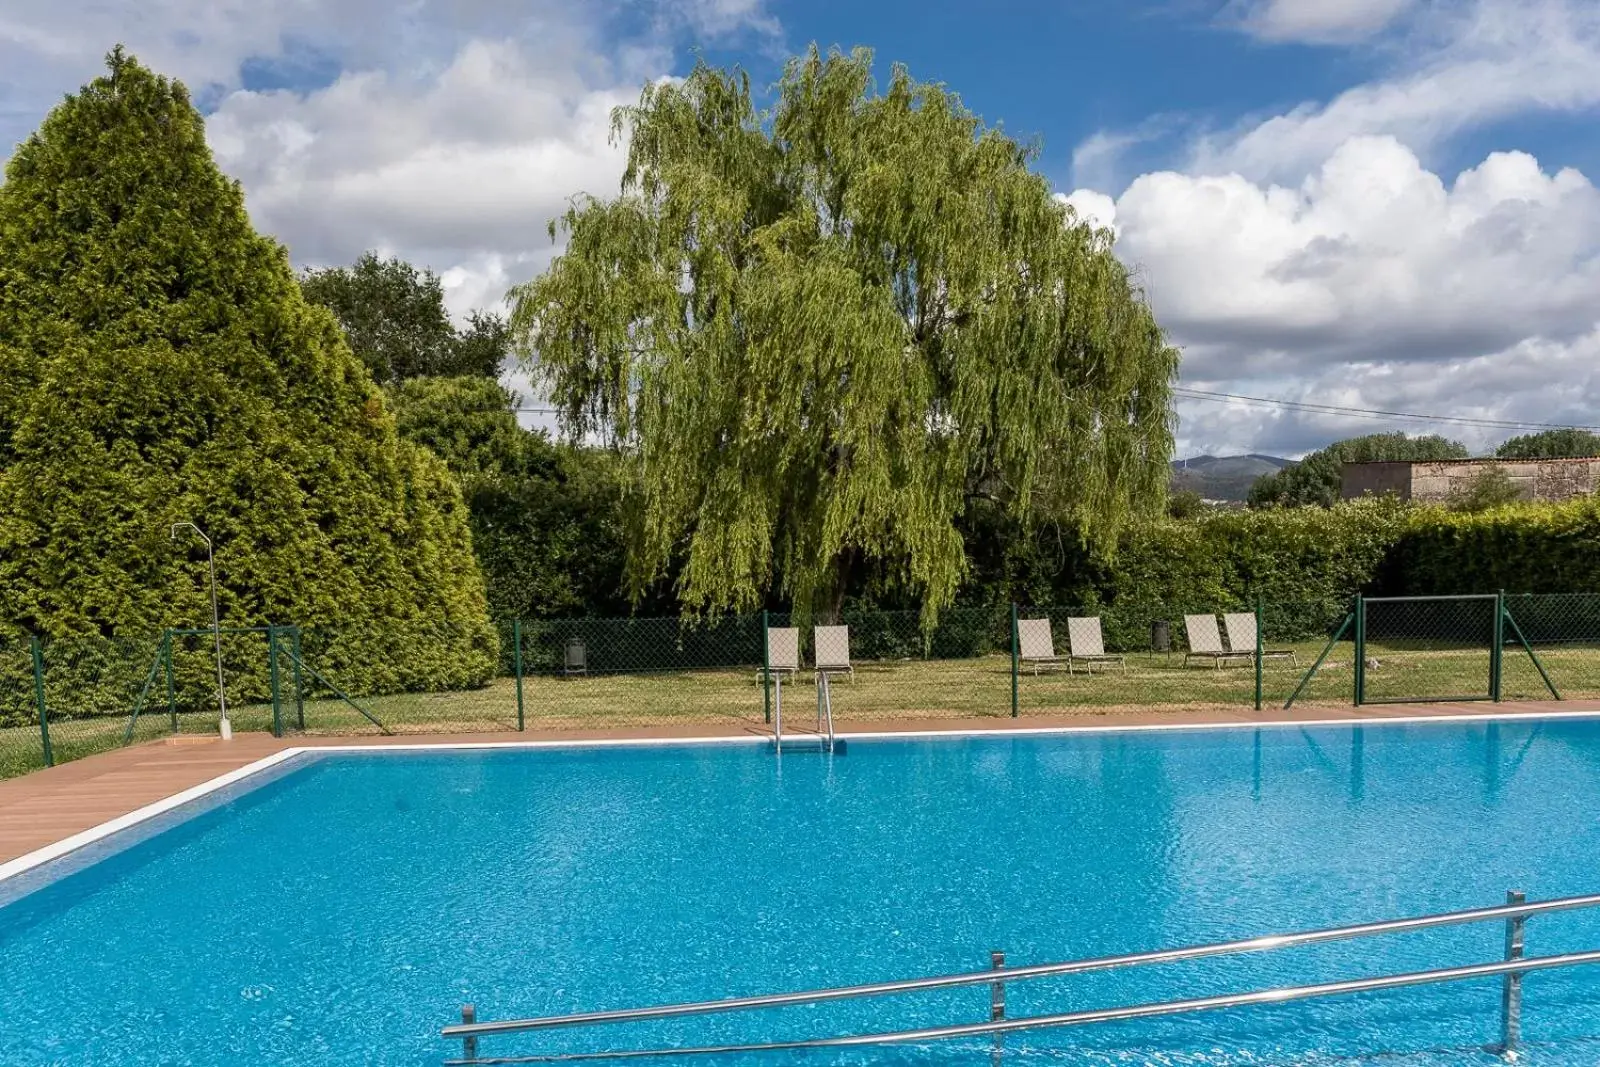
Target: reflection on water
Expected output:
[342,916]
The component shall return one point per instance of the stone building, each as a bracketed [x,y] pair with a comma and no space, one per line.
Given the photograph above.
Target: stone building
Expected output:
[1437,481]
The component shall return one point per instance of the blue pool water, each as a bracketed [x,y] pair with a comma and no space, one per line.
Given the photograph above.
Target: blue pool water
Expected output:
[341,914]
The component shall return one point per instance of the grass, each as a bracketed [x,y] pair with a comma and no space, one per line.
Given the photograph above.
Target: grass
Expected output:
[905,689]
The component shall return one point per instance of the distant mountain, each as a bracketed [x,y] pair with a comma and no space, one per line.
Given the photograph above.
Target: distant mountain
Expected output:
[1223,477]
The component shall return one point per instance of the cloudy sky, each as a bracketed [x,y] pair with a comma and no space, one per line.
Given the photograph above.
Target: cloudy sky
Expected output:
[1376,204]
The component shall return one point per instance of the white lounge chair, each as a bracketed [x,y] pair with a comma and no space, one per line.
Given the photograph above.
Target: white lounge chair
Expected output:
[783,650]
[832,650]
[1241,626]
[1205,642]
[1086,645]
[1036,647]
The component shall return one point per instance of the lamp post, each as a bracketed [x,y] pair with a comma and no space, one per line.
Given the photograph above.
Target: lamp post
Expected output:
[216,624]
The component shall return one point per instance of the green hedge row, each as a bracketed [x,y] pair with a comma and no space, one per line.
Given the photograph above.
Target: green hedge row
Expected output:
[1524,548]
[1225,560]
[1380,547]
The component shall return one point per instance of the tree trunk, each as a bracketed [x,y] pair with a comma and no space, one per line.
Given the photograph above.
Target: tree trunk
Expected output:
[832,606]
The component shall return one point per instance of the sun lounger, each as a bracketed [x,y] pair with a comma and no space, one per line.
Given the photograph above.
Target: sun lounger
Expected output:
[1205,642]
[833,651]
[1086,645]
[1241,626]
[1036,647]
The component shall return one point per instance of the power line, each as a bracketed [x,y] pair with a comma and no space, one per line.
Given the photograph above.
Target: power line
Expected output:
[1373,413]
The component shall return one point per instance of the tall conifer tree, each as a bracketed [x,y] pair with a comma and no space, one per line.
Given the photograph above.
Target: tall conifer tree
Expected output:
[158,364]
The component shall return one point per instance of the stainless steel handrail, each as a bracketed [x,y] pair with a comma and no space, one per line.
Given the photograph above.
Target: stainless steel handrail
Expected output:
[825,708]
[1014,974]
[824,732]
[1080,1018]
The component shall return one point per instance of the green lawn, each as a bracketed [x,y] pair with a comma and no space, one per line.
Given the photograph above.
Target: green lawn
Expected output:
[907,689]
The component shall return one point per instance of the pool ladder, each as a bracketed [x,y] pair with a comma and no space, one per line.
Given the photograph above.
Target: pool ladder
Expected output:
[824,738]
[1510,969]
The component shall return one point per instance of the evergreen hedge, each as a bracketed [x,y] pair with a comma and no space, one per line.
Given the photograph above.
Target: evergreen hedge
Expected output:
[1522,548]
[159,364]
[1323,556]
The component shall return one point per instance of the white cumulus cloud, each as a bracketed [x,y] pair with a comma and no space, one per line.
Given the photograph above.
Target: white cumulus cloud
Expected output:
[1320,21]
[462,171]
[1463,67]
[1373,283]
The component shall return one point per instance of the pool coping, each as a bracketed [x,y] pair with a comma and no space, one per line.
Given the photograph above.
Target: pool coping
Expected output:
[195,795]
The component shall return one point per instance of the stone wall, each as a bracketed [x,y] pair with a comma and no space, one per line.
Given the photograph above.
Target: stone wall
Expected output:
[1375,479]
[1437,482]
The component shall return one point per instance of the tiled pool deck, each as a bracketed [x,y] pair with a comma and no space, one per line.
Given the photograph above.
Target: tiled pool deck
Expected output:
[48,806]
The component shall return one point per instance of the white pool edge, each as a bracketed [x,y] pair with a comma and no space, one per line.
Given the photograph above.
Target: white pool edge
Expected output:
[84,838]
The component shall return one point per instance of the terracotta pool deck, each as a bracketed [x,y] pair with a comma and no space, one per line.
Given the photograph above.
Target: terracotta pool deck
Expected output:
[51,805]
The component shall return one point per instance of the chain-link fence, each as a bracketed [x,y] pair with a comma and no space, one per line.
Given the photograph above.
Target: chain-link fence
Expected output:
[1427,648]
[1552,645]
[1045,662]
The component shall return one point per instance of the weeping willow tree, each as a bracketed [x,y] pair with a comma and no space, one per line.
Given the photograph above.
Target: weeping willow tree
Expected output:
[817,334]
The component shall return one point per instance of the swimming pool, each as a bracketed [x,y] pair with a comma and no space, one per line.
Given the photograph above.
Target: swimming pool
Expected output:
[341,913]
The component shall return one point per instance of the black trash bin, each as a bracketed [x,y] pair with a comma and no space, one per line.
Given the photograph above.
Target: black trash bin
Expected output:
[577,657]
[1160,635]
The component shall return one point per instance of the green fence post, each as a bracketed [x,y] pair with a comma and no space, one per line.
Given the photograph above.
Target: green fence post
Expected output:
[38,699]
[272,676]
[172,696]
[1014,654]
[516,656]
[1258,652]
[766,669]
[1360,672]
[1497,653]
[299,682]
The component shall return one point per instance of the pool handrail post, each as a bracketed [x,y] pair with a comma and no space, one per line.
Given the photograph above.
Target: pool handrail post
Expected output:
[272,681]
[516,656]
[1360,672]
[39,701]
[997,1004]
[766,668]
[1258,651]
[469,1044]
[1014,659]
[1511,983]
[1497,652]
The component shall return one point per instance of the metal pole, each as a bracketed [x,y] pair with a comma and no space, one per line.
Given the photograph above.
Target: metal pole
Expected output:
[299,683]
[469,1044]
[1511,984]
[997,1004]
[38,699]
[1014,654]
[1258,653]
[272,675]
[172,697]
[1497,653]
[1360,673]
[216,626]
[516,641]
[766,668]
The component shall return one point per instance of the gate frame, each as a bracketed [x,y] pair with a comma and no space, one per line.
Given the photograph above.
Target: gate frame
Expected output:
[1357,617]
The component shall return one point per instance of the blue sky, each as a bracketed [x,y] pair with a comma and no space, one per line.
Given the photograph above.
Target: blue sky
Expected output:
[1372,203]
